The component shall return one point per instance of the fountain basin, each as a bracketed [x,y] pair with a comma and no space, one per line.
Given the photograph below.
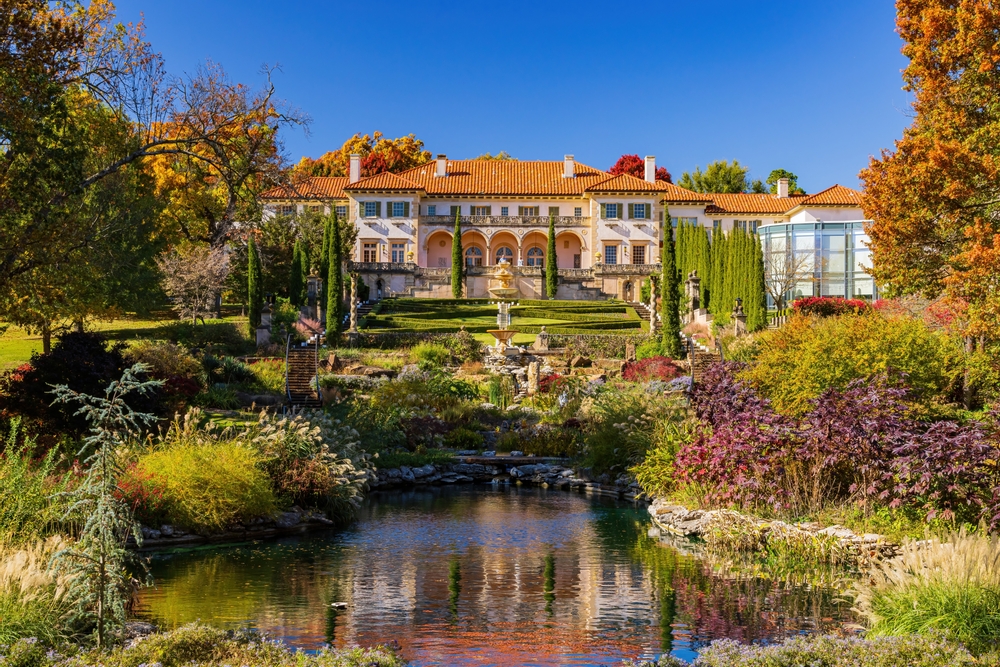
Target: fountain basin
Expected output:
[504,292]
[503,336]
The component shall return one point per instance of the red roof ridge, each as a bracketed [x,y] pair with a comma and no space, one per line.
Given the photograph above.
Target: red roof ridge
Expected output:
[384,181]
[314,187]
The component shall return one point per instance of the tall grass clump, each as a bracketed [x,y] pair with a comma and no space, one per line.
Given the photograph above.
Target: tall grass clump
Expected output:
[30,504]
[207,484]
[947,586]
[431,356]
[33,600]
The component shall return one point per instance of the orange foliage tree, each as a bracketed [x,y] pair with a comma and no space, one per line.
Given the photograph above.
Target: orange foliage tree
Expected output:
[934,199]
[378,154]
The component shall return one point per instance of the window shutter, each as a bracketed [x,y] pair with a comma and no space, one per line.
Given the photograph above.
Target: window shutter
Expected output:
[621,210]
[378,209]
[388,209]
[455,211]
[604,211]
[406,209]
[520,210]
[631,211]
[649,211]
[489,210]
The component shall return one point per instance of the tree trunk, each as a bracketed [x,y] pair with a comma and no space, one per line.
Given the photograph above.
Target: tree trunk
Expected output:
[968,391]
[46,337]
[78,325]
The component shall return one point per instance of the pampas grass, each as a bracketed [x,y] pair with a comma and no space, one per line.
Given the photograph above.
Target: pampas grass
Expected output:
[951,586]
[32,599]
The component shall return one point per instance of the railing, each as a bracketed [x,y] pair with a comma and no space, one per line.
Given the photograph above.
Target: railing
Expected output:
[506,220]
[627,269]
[576,273]
[382,267]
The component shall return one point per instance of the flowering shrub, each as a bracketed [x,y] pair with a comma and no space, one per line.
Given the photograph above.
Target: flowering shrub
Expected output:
[551,382]
[651,368]
[827,306]
[144,495]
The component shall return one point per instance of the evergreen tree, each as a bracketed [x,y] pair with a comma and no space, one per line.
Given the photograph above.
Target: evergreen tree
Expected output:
[719,258]
[97,564]
[255,285]
[456,258]
[551,267]
[335,280]
[704,266]
[755,304]
[324,257]
[295,276]
[670,296]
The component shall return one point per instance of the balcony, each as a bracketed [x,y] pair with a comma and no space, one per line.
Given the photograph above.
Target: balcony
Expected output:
[505,220]
[382,267]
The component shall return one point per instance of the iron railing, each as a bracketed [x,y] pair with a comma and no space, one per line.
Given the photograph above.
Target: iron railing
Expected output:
[506,220]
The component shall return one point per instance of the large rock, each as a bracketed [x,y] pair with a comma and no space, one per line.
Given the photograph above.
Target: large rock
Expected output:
[580,361]
[288,519]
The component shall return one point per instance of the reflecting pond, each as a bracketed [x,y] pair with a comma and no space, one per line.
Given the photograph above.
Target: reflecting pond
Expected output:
[486,576]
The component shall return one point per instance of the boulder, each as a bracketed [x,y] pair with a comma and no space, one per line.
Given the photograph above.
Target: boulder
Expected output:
[579,361]
[288,519]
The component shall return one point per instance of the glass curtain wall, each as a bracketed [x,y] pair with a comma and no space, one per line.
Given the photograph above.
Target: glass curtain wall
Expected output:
[819,259]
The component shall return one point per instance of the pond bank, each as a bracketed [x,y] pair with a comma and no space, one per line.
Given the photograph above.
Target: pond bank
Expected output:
[725,527]
[503,470]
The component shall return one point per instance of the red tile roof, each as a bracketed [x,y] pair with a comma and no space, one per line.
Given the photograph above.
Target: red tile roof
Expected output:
[384,181]
[676,194]
[630,183]
[741,203]
[315,187]
[837,195]
[504,178]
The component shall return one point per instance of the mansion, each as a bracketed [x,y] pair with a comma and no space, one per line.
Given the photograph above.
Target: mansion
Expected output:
[607,226]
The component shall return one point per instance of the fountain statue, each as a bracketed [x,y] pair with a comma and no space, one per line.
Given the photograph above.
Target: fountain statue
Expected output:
[503,333]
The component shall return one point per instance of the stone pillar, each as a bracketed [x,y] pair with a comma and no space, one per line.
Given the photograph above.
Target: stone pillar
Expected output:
[652,305]
[264,328]
[533,373]
[312,292]
[739,319]
[542,341]
[353,292]
[629,351]
[693,287]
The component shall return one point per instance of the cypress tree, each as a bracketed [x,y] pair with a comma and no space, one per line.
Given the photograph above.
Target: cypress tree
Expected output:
[295,276]
[456,257]
[551,267]
[335,280]
[670,296]
[704,266]
[324,258]
[304,267]
[720,254]
[756,300]
[255,287]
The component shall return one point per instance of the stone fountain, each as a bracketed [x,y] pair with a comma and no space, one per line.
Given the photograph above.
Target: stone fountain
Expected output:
[502,357]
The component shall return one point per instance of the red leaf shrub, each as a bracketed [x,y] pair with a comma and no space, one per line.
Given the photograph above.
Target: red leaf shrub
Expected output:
[142,493]
[651,368]
[551,382]
[826,306]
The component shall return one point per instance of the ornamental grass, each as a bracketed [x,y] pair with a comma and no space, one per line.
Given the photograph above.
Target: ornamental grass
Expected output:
[947,586]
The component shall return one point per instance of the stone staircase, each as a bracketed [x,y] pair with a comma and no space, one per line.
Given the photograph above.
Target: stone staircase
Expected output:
[702,359]
[299,373]
[641,309]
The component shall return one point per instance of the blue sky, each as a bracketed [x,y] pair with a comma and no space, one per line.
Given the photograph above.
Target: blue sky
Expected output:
[812,87]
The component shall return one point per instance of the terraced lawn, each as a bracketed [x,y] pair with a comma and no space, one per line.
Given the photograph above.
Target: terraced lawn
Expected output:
[528,317]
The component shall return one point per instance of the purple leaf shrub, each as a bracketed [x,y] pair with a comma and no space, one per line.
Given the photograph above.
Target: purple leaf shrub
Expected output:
[858,444]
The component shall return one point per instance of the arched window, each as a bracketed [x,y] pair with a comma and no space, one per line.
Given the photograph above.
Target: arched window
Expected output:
[536,257]
[503,252]
[473,257]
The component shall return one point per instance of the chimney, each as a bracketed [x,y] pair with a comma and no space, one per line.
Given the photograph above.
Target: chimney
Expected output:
[569,167]
[354,175]
[782,187]
[441,165]
[650,175]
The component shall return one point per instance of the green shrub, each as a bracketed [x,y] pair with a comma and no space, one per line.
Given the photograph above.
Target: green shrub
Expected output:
[30,507]
[463,438]
[548,440]
[648,349]
[211,647]
[217,397]
[500,390]
[431,356]
[208,485]
[655,472]
[948,586]
[395,459]
[797,362]
[269,375]
[166,360]
[508,442]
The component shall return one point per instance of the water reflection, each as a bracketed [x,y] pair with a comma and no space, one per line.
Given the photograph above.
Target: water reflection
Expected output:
[486,577]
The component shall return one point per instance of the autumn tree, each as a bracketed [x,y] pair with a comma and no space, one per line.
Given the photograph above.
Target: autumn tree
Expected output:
[934,198]
[721,177]
[86,100]
[378,155]
[192,278]
[636,166]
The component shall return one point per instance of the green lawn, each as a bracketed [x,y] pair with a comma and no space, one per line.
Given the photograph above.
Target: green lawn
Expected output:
[477,316]
[228,334]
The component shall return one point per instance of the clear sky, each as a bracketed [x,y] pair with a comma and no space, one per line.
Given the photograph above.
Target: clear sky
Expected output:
[805,85]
